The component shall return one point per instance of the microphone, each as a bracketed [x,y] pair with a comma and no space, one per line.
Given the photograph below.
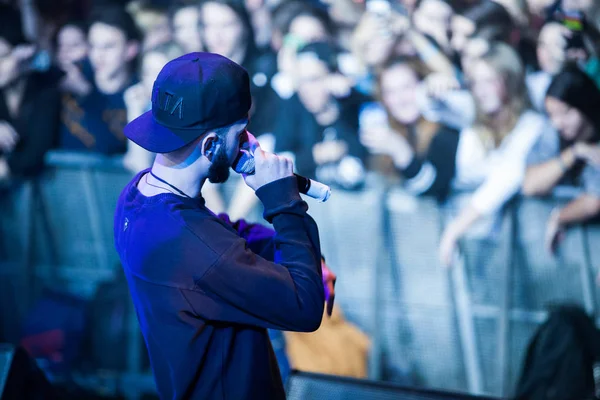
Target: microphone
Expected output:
[312,188]
[244,164]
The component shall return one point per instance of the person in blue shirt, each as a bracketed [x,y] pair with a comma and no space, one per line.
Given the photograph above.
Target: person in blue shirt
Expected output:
[205,289]
[94,121]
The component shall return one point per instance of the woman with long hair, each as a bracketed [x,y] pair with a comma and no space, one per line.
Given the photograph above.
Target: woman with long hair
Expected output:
[491,154]
[570,154]
[422,151]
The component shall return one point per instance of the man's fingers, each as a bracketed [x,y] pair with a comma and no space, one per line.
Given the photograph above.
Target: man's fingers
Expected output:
[260,157]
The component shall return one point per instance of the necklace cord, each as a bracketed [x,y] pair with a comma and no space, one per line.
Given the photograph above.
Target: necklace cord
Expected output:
[181,192]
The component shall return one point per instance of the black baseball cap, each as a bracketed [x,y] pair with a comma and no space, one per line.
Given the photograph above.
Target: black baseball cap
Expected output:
[192,95]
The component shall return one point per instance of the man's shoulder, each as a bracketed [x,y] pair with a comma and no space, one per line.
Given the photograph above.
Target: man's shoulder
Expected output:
[188,216]
[171,242]
[206,227]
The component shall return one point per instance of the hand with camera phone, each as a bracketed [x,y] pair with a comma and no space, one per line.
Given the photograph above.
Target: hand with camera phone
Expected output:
[379,138]
[438,84]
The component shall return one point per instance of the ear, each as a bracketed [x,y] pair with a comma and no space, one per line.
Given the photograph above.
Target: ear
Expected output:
[133,49]
[210,145]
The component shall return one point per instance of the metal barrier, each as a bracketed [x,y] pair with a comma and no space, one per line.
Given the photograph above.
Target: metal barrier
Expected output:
[462,329]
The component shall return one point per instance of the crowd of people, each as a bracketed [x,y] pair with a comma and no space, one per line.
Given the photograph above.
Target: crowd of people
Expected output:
[497,97]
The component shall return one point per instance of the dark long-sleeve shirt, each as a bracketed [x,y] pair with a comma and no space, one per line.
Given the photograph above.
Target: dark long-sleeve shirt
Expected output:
[204,299]
[36,123]
[94,122]
[432,174]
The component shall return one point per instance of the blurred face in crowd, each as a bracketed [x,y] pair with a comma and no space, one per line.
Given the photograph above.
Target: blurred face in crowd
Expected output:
[71,45]
[158,31]
[399,93]
[222,29]
[344,12]
[110,51]
[253,5]
[308,29]
[186,32]
[462,29]
[152,64]
[409,4]
[551,52]
[487,87]
[474,49]
[569,121]
[311,79]
[433,17]
[538,6]
[438,12]
[9,66]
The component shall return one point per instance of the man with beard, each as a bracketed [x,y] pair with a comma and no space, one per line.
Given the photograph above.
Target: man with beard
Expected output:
[204,289]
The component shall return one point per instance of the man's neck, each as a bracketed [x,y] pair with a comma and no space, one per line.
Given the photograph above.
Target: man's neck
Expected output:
[112,84]
[188,179]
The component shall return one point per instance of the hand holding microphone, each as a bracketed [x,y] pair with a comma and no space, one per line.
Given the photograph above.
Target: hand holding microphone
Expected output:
[272,167]
[268,168]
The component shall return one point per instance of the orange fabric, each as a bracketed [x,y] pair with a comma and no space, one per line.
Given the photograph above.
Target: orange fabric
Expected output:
[336,348]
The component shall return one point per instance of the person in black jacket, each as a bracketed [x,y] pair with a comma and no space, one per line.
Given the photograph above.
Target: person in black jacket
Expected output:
[93,121]
[29,102]
[203,293]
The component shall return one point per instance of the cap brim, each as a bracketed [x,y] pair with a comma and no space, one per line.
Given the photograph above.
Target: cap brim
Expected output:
[145,132]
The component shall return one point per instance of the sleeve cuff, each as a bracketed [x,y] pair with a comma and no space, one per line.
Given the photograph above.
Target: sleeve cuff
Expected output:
[279,195]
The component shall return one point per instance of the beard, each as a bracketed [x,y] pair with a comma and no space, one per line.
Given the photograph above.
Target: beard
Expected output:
[218,172]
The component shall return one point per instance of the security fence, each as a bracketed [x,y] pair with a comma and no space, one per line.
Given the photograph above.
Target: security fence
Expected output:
[461,329]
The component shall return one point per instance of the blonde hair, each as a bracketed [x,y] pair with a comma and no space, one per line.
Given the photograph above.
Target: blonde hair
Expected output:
[146,18]
[170,50]
[508,65]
